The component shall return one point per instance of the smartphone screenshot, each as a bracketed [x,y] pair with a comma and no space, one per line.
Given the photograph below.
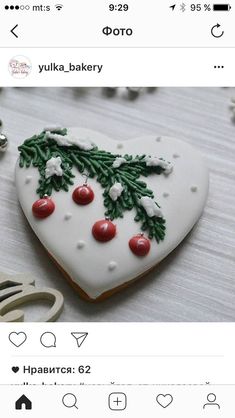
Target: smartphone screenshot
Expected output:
[117,221]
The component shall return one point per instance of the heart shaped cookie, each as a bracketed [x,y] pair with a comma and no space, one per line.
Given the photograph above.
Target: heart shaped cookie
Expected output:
[108,212]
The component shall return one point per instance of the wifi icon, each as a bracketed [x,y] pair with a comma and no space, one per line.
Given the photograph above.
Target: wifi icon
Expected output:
[59,6]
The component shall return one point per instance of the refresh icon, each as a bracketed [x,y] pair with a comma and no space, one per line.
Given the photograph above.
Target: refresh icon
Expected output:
[215,32]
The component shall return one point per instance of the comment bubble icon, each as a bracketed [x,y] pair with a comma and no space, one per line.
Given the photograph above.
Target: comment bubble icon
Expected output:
[48,340]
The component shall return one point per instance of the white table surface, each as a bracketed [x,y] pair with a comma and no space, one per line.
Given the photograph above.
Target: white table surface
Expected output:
[197,281]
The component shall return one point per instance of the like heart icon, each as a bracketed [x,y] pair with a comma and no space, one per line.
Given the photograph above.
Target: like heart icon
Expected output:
[164,400]
[17,338]
[108,212]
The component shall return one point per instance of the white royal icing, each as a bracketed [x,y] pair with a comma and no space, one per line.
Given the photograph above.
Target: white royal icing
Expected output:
[53,167]
[81,244]
[68,216]
[155,161]
[70,140]
[112,265]
[115,191]
[28,179]
[118,162]
[150,206]
[88,266]
[53,128]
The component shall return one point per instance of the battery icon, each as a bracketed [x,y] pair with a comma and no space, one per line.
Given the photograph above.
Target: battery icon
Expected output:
[221,7]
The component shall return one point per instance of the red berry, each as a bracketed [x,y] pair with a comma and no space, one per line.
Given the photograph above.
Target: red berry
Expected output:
[83,195]
[104,230]
[139,245]
[43,208]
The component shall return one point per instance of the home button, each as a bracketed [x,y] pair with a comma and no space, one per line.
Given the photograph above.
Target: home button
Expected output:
[23,403]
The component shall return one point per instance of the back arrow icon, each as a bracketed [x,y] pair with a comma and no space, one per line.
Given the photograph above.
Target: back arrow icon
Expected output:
[12,31]
[213,31]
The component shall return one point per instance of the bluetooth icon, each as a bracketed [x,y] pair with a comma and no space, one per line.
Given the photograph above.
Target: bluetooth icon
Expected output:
[183,7]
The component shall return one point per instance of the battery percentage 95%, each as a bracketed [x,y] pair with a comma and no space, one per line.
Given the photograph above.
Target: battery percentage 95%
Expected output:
[198,7]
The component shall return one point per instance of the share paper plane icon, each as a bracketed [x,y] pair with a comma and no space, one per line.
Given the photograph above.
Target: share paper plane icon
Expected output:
[79,337]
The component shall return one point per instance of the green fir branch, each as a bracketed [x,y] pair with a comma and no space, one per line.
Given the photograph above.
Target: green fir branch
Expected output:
[38,149]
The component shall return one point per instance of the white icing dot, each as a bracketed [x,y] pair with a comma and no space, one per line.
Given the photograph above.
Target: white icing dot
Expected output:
[165,194]
[28,179]
[175,155]
[158,139]
[193,189]
[68,216]
[119,145]
[112,265]
[80,244]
